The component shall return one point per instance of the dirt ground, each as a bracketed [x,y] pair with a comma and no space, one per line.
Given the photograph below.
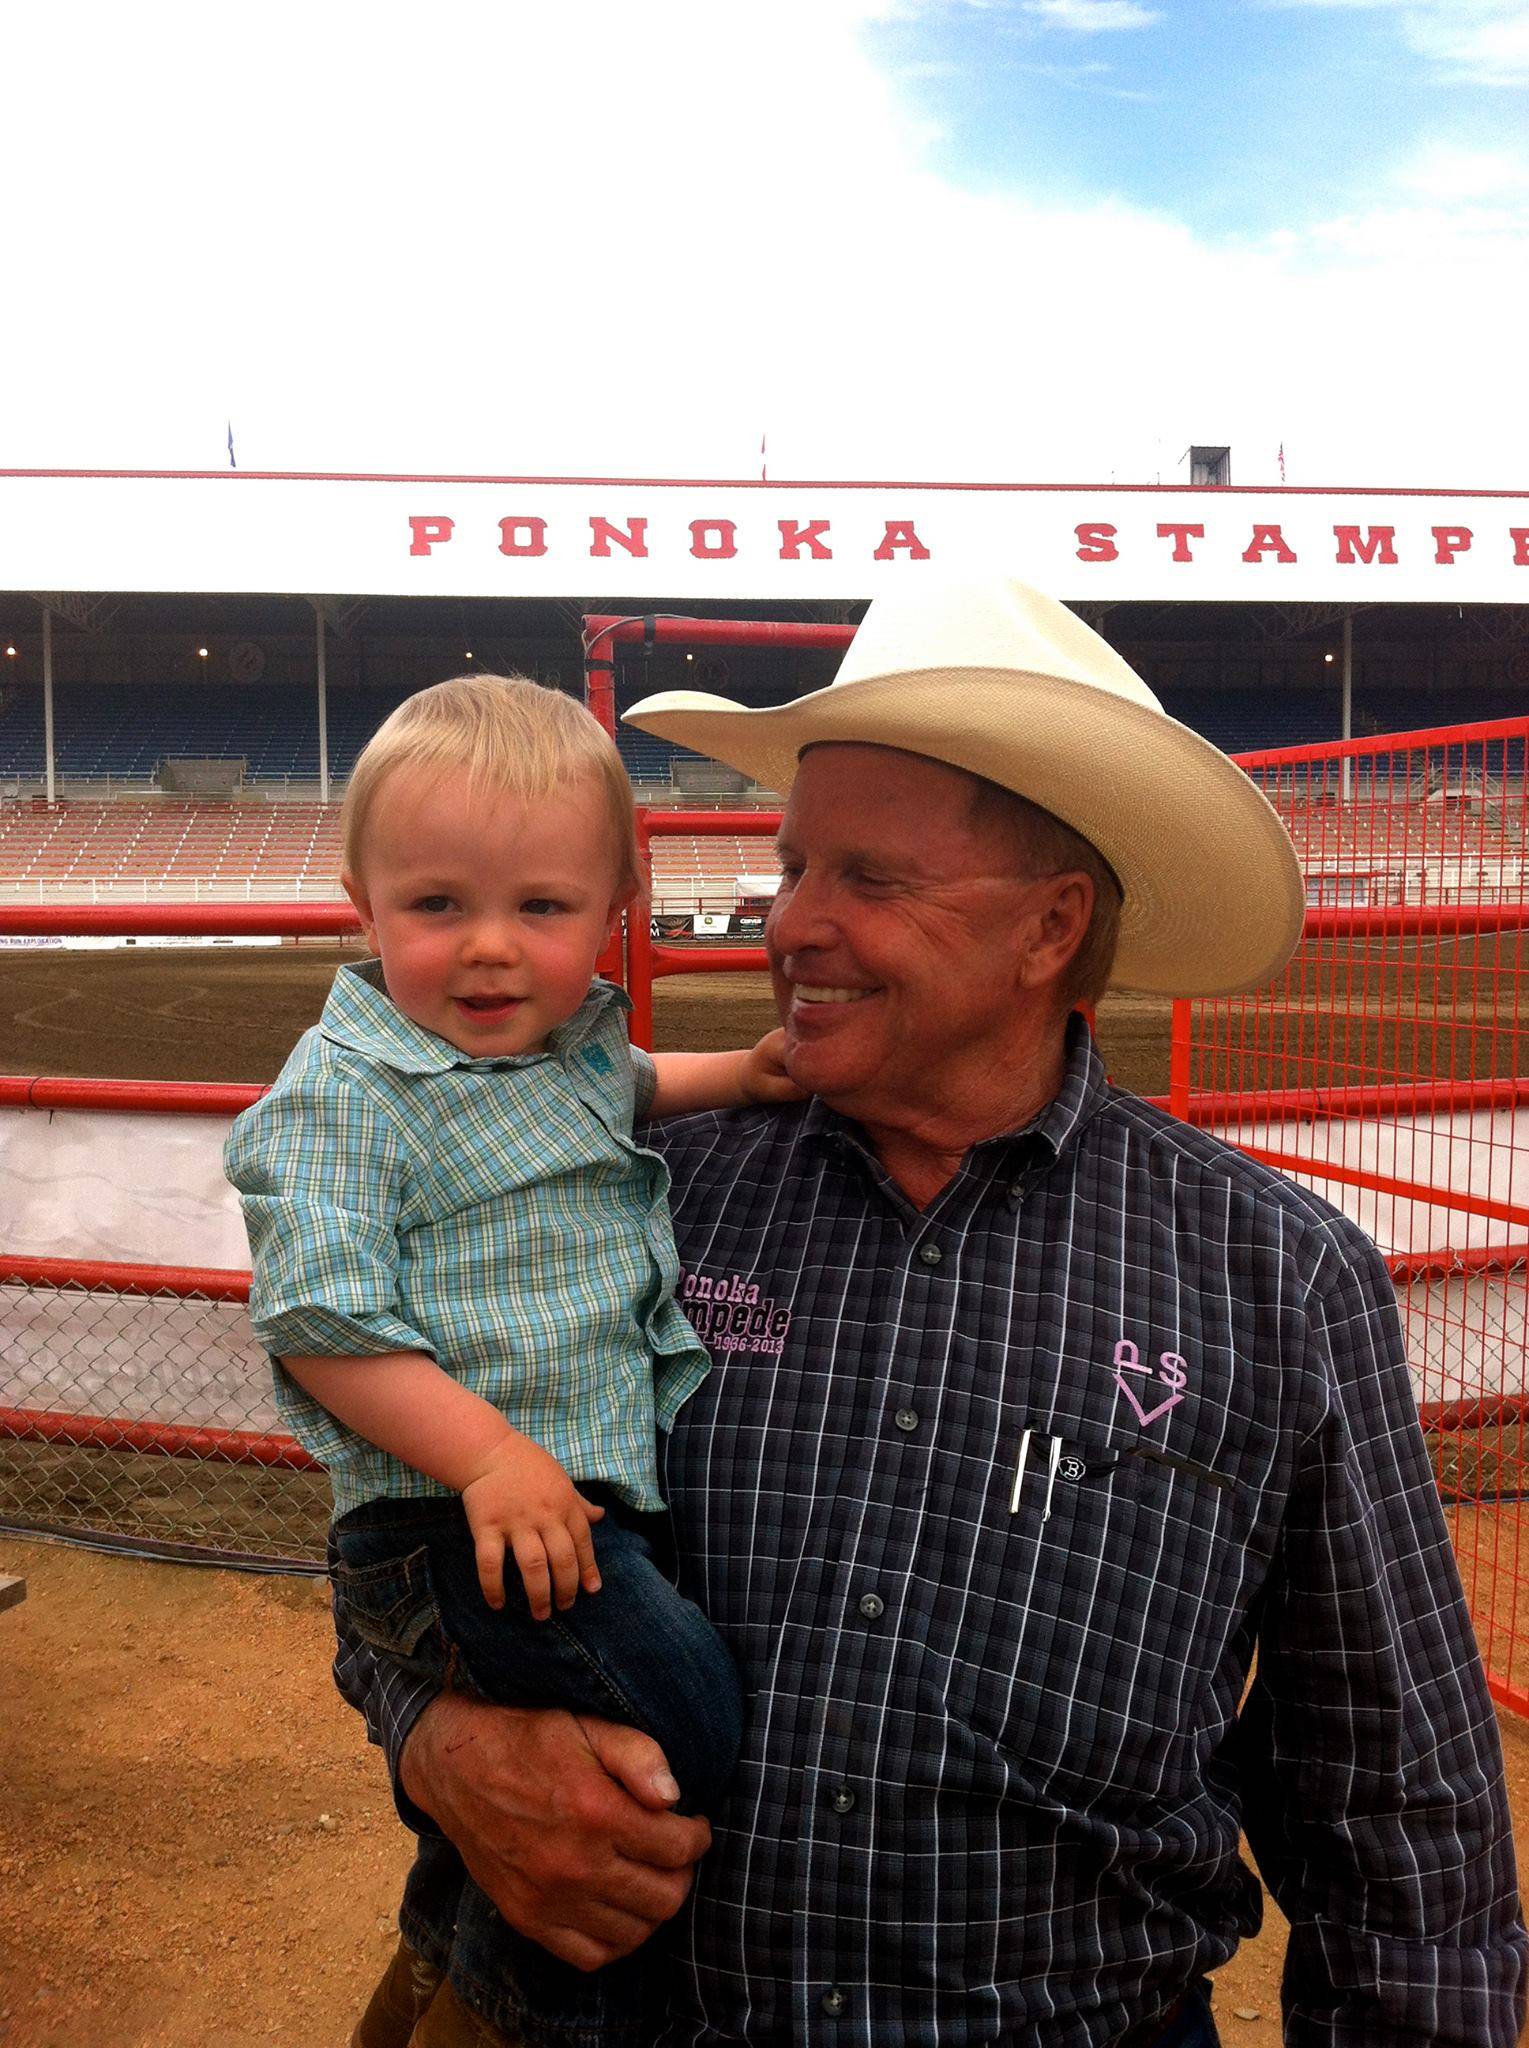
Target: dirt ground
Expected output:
[182,1015]
[197,1849]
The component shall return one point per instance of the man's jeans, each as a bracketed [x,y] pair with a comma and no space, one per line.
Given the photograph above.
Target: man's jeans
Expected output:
[1194,2027]
[635,1652]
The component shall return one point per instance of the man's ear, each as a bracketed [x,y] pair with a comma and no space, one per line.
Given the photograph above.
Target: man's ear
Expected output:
[355,889]
[1057,923]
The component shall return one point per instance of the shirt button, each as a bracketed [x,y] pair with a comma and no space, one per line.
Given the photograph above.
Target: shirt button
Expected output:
[1016,1188]
[906,1420]
[833,2001]
[930,1254]
[842,1799]
[872,1606]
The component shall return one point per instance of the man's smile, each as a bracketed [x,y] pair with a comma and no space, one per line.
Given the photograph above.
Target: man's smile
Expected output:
[806,992]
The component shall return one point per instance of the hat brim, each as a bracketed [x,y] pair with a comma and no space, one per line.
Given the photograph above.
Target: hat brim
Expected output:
[1213,895]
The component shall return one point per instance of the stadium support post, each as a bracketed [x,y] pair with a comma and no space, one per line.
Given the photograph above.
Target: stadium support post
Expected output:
[323,698]
[47,700]
[1348,697]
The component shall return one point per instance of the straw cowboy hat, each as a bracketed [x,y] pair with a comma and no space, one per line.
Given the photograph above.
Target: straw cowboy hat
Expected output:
[997,679]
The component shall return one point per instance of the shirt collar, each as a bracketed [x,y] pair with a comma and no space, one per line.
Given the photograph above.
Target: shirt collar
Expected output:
[361,1016]
[1082,1093]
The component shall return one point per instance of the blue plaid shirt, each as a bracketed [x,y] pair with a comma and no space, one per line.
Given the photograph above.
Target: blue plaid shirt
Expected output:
[497,1214]
[998,1749]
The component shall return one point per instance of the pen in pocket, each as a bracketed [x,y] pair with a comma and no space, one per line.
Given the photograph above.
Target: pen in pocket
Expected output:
[1073,1462]
[1053,1460]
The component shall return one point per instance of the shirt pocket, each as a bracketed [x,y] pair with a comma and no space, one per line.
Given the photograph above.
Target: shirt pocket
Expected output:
[1091,1644]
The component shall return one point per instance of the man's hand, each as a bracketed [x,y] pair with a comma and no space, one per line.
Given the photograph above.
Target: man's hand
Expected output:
[521,1500]
[563,1821]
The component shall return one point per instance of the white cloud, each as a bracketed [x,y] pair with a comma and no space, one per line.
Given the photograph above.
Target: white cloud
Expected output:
[1478,42]
[609,240]
[1450,172]
[1093,78]
[1092,17]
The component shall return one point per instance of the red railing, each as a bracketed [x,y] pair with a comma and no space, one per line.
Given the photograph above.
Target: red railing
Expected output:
[1386,1069]
[647,959]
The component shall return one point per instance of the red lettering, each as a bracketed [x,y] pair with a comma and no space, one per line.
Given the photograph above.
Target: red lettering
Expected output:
[1181,536]
[522,536]
[1096,543]
[1375,544]
[1449,541]
[1268,540]
[1519,535]
[722,549]
[900,534]
[424,533]
[794,538]
[634,538]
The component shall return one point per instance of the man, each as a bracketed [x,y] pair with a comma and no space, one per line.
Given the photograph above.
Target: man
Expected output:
[1033,1415]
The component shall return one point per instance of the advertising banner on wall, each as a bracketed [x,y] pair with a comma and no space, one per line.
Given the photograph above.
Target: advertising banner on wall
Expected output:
[242,531]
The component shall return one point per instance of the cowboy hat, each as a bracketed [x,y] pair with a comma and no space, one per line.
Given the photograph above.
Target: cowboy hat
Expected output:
[1010,685]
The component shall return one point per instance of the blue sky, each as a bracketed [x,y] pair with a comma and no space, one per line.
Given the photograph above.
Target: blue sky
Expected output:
[1237,119]
[969,240]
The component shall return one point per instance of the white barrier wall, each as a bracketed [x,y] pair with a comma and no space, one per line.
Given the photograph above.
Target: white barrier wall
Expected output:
[134,1189]
[149,1189]
[1467,1335]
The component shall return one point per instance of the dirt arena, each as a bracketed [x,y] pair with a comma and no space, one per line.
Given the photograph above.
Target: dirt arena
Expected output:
[196,1848]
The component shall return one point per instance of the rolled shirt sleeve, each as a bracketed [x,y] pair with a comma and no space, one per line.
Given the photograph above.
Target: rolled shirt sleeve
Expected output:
[1382,1828]
[322,1176]
[644,1083]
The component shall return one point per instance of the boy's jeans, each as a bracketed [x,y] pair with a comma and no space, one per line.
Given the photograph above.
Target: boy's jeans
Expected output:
[636,1652]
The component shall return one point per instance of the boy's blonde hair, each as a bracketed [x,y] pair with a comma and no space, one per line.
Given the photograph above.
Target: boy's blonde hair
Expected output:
[511,735]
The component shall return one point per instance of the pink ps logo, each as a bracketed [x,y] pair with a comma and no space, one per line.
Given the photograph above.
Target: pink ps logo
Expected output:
[1171,1374]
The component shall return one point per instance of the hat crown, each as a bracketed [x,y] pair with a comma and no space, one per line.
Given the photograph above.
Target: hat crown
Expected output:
[992,624]
[1008,684]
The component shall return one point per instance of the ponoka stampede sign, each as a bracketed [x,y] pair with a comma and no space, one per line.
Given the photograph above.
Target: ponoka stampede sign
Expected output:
[244,531]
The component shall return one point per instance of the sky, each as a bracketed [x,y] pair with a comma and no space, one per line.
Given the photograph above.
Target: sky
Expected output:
[946,240]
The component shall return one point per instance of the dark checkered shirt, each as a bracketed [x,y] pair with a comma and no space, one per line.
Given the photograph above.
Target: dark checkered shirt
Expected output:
[995,1771]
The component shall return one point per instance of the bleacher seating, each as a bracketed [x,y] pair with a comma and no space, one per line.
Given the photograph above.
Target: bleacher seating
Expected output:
[177,849]
[704,871]
[646,758]
[127,732]
[124,732]
[1246,721]
[171,848]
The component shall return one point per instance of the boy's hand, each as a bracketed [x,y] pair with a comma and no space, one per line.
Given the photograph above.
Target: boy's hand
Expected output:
[524,1502]
[763,1076]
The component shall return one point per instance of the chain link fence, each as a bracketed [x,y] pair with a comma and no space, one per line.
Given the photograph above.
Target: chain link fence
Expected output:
[1387,1070]
[144,1420]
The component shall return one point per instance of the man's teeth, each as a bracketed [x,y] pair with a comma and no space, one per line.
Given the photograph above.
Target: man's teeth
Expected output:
[804,994]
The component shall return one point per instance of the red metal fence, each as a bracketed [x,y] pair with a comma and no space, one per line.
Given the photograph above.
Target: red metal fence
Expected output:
[1386,1069]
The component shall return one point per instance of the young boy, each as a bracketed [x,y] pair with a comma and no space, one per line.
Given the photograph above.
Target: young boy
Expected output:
[463,1263]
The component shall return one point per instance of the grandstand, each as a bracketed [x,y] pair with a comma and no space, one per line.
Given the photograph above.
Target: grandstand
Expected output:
[1248,677]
